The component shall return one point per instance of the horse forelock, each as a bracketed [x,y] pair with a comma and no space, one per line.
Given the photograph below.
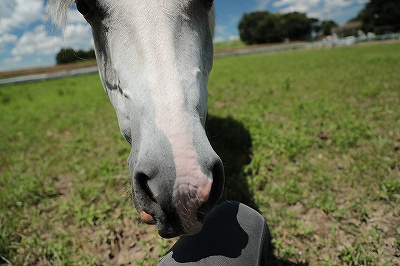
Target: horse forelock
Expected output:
[57,10]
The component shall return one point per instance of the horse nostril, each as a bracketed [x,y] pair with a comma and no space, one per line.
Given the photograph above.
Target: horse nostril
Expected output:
[218,182]
[143,182]
[216,190]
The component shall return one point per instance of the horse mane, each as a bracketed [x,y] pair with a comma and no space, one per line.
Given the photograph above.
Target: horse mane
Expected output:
[57,10]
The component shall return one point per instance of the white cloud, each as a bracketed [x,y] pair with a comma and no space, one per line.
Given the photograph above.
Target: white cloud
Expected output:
[225,33]
[233,38]
[25,40]
[78,36]
[75,17]
[6,8]
[19,13]
[286,6]
[36,41]
[39,42]
[262,4]
[5,41]
[18,62]
[7,38]
[218,39]
[12,60]
[322,9]
[338,8]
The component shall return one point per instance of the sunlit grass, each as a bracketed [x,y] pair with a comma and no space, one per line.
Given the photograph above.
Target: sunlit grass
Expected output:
[228,44]
[325,129]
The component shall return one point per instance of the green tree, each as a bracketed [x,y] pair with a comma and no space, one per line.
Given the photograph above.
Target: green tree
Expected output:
[69,55]
[90,54]
[266,27]
[380,16]
[65,56]
[260,27]
[80,54]
[296,26]
[327,26]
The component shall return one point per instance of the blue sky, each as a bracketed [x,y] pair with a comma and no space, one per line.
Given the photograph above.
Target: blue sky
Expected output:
[28,40]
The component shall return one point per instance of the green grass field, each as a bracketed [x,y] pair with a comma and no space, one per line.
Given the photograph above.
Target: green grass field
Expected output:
[228,44]
[309,138]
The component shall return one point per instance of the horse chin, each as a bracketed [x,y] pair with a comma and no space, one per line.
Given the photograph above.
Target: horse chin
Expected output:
[170,228]
[165,231]
[174,230]
[168,225]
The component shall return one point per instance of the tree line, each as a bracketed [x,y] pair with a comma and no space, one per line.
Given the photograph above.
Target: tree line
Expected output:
[380,16]
[377,16]
[266,27]
[69,55]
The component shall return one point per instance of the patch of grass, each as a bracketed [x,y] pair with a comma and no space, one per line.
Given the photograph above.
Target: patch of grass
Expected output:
[57,176]
[289,192]
[228,44]
[355,256]
[324,129]
[391,188]
[309,138]
[326,201]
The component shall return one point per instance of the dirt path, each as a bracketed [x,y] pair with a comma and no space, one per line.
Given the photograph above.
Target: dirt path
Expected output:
[46,70]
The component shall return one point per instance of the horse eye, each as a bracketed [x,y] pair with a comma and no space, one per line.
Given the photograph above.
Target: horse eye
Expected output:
[82,7]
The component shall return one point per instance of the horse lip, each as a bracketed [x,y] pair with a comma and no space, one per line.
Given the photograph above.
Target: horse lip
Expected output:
[167,231]
[166,228]
[170,228]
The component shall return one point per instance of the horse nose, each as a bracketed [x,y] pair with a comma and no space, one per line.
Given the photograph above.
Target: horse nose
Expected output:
[194,195]
[177,204]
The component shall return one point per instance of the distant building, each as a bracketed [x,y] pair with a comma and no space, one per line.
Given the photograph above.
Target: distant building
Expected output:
[348,29]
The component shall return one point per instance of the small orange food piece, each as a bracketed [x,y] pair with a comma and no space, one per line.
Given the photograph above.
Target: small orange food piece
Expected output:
[147,218]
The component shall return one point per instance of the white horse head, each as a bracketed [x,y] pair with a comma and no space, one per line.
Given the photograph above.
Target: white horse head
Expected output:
[154,58]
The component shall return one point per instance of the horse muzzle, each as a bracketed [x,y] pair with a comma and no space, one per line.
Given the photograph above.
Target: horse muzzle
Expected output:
[177,204]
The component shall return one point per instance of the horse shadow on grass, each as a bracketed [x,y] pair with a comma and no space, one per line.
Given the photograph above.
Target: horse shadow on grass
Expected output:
[232,142]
